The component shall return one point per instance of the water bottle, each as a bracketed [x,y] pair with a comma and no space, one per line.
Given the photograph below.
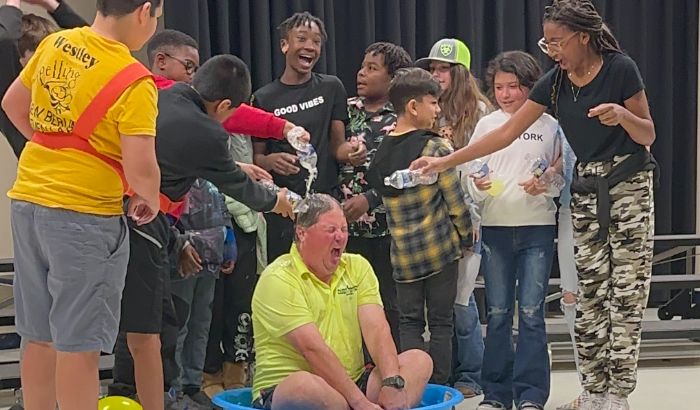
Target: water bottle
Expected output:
[293,137]
[308,158]
[554,180]
[293,198]
[537,167]
[477,168]
[405,178]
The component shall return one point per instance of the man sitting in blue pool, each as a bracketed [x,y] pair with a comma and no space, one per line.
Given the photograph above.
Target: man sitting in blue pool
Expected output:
[312,308]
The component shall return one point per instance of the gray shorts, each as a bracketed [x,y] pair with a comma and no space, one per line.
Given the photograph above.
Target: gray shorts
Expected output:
[69,275]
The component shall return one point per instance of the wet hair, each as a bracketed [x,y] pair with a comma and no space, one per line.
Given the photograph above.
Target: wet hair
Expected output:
[223,77]
[519,63]
[311,208]
[167,40]
[301,19]
[459,104]
[34,29]
[411,84]
[118,8]
[395,57]
[579,16]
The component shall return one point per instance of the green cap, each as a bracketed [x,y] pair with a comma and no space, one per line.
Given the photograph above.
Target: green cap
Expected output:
[448,50]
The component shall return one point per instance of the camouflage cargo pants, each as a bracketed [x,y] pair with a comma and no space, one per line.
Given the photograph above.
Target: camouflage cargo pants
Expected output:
[614,278]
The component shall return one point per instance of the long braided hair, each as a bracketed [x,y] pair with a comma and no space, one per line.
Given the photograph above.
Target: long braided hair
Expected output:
[579,16]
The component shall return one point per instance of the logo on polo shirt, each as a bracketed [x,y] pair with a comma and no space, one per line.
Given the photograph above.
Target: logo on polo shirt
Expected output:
[348,290]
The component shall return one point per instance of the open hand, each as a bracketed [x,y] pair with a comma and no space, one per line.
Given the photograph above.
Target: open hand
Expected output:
[282,163]
[428,165]
[255,172]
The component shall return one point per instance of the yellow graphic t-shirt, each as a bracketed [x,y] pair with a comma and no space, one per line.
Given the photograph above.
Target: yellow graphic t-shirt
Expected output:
[68,69]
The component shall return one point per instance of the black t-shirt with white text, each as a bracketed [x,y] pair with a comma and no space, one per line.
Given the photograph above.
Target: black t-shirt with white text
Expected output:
[312,105]
[618,80]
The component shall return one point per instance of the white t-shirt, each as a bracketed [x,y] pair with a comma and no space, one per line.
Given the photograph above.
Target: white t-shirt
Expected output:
[515,207]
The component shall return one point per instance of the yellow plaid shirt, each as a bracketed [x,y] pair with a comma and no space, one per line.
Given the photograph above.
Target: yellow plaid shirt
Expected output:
[429,224]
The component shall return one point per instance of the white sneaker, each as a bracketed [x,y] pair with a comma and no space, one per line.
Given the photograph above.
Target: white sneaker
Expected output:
[489,406]
[576,403]
[618,402]
[594,401]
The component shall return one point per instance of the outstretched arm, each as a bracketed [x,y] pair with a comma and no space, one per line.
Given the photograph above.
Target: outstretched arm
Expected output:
[494,141]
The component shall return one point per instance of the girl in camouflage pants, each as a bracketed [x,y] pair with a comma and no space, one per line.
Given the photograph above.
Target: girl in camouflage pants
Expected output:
[597,94]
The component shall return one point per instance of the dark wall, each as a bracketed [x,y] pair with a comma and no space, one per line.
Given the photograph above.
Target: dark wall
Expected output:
[661,36]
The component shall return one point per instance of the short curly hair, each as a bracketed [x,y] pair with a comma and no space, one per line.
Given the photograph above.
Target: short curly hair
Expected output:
[34,30]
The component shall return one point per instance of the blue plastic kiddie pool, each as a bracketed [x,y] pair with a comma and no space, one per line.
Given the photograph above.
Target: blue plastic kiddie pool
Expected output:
[435,397]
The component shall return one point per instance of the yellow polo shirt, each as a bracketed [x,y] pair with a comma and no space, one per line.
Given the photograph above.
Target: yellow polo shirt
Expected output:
[288,296]
[68,69]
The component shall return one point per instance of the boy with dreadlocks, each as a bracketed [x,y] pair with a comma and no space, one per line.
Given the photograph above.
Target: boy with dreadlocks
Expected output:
[314,101]
[597,94]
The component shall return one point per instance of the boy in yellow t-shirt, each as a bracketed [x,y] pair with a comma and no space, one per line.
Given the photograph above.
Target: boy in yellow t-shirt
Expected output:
[89,110]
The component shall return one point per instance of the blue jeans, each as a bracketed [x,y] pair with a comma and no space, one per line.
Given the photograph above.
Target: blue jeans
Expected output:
[524,255]
[469,346]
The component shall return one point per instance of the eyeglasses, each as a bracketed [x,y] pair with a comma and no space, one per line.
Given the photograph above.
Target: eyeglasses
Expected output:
[555,46]
[190,66]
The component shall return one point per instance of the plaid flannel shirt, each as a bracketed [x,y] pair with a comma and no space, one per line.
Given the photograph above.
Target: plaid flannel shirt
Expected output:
[430,224]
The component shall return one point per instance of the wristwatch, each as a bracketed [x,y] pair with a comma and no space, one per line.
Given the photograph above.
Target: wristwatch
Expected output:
[396,382]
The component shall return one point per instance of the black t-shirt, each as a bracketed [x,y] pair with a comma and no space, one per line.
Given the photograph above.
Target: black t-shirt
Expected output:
[617,81]
[312,105]
[191,145]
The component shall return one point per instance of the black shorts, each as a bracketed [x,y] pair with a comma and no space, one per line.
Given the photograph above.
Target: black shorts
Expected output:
[147,277]
[265,399]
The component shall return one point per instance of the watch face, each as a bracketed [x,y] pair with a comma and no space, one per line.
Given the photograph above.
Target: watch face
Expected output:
[395,381]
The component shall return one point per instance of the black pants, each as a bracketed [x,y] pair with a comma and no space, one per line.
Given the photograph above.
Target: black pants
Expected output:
[280,235]
[436,293]
[378,252]
[231,330]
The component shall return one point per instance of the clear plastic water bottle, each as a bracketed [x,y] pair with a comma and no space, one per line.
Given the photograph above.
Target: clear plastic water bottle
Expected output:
[538,166]
[477,168]
[554,180]
[308,158]
[293,198]
[405,178]
[294,139]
